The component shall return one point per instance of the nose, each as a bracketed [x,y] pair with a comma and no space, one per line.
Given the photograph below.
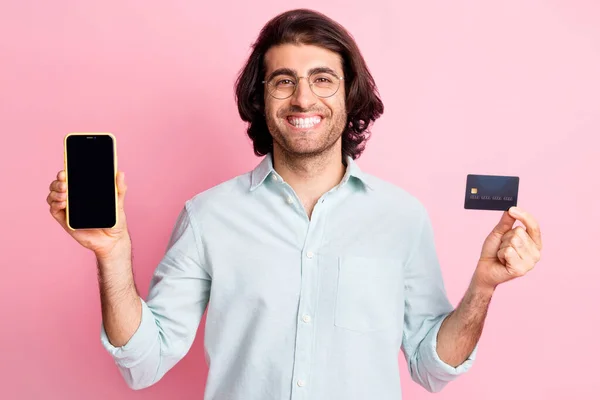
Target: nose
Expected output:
[303,97]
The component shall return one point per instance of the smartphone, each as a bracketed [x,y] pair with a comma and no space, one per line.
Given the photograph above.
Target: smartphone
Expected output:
[91,169]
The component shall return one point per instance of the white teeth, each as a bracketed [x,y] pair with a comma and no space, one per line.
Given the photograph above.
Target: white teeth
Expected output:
[304,123]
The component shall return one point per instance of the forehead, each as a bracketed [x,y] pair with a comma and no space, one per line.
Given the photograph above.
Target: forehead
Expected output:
[301,58]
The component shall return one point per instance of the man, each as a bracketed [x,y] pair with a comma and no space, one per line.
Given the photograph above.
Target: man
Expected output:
[317,272]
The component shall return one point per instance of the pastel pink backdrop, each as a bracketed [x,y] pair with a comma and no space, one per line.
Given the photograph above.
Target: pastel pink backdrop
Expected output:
[506,87]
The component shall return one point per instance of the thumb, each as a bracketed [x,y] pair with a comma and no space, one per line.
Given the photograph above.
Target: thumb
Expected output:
[505,224]
[121,189]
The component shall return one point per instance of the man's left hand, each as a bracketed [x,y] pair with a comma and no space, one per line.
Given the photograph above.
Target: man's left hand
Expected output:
[509,252]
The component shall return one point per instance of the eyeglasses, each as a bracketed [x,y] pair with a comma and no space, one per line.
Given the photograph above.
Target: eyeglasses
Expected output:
[322,84]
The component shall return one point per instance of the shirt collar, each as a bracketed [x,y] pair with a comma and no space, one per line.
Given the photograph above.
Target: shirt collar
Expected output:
[265,168]
[261,172]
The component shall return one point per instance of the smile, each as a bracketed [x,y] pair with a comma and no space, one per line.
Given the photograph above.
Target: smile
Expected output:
[304,123]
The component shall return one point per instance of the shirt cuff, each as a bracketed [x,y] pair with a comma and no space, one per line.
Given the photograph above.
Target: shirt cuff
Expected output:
[139,345]
[437,366]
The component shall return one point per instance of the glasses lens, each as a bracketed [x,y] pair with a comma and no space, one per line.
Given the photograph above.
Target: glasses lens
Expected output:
[282,86]
[324,84]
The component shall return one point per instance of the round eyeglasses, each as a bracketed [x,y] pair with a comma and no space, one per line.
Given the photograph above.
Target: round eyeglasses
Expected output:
[322,84]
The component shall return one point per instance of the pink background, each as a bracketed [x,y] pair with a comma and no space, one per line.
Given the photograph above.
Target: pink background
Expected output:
[509,87]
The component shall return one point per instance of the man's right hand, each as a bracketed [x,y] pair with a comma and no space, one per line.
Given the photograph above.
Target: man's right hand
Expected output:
[103,242]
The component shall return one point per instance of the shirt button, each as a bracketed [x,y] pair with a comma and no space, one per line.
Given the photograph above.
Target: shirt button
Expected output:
[306,318]
[290,199]
[310,254]
[274,177]
[301,382]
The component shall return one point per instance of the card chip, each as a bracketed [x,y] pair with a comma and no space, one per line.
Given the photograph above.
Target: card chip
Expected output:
[473,190]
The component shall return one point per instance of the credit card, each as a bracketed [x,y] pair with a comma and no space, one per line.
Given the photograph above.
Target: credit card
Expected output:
[491,192]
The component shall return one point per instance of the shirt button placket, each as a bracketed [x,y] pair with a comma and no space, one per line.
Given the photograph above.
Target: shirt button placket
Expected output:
[305,328]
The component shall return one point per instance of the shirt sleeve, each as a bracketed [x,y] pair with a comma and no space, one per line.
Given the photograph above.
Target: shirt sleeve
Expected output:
[178,295]
[426,307]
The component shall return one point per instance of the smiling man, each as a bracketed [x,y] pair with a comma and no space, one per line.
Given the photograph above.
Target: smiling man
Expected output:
[313,273]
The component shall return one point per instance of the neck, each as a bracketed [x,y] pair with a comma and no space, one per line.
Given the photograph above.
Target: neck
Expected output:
[310,175]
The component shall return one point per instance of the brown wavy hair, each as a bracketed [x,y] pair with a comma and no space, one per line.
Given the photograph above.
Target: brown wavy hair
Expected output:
[302,26]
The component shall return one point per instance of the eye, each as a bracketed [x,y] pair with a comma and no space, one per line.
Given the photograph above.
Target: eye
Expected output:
[324,80]
[284,82]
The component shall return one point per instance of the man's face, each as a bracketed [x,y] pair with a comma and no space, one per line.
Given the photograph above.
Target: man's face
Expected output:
[304,124]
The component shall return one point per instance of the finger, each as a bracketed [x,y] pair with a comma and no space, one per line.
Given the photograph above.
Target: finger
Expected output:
[56,206]
[526,250]
[61,176]
[504,245]
[532,226]
[517,243]
[56,196]
[121,189]
[58,186]
[517,247]
[507,237]
[501,254]
[57,209]
[509,256]
[517,231]
[525,238]
[525,246]
[506,223]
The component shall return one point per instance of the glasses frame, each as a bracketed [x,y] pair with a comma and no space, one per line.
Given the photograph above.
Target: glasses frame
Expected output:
[310,85]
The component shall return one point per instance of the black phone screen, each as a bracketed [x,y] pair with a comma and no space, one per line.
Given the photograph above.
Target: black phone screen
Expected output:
[91,181]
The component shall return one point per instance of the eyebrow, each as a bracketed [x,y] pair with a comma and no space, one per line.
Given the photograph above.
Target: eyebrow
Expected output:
[292,72]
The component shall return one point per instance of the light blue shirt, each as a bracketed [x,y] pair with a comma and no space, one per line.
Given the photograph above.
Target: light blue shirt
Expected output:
[298,308]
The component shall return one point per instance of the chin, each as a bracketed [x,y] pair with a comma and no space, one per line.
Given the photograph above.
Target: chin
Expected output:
[304,148]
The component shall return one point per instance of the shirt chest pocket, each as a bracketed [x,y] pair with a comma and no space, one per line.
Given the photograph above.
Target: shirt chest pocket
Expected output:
[369,293]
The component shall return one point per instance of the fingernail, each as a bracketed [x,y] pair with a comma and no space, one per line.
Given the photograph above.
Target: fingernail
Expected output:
[514,210]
